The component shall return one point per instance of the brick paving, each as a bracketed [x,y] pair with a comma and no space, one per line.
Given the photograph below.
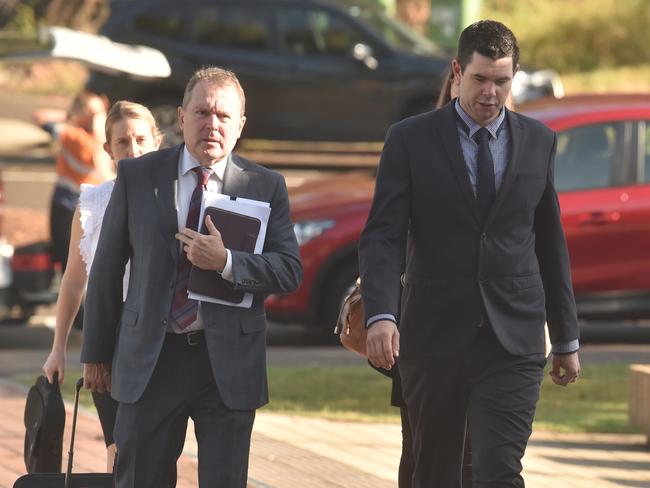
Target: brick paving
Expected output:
[90,451]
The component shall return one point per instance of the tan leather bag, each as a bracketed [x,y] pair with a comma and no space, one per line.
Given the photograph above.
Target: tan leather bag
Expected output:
[350,326]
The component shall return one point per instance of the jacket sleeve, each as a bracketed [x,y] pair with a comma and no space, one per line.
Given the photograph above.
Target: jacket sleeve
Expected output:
[278,268]
[553,258]
[382,247]
[104,295]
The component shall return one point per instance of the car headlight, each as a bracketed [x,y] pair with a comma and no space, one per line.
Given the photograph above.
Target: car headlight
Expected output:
[308,230]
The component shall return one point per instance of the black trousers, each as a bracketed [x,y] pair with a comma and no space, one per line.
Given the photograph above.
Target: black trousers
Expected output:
[106,411]
[150,433]
[62,207]
[407,459]
[487,389]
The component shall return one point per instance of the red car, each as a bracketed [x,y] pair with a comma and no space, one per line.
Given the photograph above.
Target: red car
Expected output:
[602,175]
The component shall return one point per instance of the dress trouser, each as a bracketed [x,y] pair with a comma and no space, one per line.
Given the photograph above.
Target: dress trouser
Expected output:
[150,433]
[486,388]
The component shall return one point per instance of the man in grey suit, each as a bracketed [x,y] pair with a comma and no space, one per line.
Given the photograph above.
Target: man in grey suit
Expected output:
[164,357]
[465,197]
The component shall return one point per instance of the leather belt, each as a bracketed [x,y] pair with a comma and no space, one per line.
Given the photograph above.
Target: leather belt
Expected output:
[193,338]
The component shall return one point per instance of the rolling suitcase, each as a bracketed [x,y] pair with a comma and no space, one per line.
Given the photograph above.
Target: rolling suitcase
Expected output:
[67,479]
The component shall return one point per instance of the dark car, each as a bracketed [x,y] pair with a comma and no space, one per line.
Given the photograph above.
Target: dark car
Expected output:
[311,69]
[602,175]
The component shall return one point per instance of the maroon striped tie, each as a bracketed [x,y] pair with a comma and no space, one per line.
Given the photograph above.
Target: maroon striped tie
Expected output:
[183,311]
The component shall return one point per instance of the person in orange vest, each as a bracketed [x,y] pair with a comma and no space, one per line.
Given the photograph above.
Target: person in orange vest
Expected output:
[81,159]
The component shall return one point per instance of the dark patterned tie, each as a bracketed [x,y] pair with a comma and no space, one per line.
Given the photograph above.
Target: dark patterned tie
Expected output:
[486,191]
[183,311]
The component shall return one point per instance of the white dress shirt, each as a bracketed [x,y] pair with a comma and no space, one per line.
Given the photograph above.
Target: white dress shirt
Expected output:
[187,181]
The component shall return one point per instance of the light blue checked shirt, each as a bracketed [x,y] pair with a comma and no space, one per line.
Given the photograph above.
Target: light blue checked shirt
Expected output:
[499,145]
[500,148]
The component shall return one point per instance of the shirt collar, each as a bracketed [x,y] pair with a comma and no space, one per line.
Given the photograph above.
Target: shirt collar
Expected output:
[493,127]
[188,162]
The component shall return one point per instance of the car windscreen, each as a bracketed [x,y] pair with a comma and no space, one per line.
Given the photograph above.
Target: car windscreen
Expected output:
[397,35]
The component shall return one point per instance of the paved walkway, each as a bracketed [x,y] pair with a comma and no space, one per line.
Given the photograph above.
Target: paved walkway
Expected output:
[299,452]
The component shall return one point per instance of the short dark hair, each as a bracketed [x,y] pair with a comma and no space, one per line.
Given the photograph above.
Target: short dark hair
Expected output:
[488,38]
[219,77]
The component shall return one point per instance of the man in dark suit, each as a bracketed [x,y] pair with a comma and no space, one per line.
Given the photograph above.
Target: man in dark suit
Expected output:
[164,357]
[465,195]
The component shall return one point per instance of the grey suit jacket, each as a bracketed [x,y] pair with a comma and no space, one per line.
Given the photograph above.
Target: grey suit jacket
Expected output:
[139,224]
[514,269]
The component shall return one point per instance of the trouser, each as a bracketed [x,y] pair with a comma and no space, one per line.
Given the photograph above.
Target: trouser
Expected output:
[487,389]
[407,460]
[106,411]
[150,433]
[62,208]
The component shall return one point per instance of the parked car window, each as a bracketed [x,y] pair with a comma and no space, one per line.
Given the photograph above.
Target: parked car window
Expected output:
[395,33]
[585,157]
[317,32]
[162,24]
[232,27]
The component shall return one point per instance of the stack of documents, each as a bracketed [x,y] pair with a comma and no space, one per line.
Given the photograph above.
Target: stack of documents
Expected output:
[242,224]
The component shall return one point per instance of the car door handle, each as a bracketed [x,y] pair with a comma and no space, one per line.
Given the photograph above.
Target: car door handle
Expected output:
[600,218]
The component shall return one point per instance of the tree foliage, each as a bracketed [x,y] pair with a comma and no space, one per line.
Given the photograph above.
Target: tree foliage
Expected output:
[577,35]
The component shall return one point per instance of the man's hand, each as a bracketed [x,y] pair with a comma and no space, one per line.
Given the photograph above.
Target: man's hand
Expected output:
[571,366]
[204,251]
[97,377]
[382,344]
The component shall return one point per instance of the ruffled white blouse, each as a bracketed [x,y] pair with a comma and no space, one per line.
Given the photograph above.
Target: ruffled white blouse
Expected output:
[92,205]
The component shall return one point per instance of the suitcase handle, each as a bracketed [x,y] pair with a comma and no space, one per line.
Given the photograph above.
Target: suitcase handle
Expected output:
[68,471]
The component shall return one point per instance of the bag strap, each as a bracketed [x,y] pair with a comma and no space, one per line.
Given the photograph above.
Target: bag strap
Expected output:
[68,471]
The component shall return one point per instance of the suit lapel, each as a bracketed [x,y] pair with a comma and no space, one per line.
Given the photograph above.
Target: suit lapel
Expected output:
[235,178]
[165,187]
[516,138]
[451,142]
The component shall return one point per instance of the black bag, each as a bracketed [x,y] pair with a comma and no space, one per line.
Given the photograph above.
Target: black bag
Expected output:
[44,425]
[67,479]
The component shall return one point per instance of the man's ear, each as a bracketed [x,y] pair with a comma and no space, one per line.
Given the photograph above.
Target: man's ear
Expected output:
[181,117]
[456,69]
[514,71]
[241,125]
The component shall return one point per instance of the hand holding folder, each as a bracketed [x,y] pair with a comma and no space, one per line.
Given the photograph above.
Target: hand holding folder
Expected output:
[239,233]
[242,223]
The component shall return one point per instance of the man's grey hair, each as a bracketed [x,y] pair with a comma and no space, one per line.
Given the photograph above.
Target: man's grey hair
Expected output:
[215,76]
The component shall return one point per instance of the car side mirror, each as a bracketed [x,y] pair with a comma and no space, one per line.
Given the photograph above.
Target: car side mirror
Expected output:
[363,53]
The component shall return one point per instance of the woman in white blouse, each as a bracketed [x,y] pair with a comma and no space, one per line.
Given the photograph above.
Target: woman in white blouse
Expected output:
[130,132]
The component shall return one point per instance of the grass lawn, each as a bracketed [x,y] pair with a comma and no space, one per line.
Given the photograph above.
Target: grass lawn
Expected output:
[596,403]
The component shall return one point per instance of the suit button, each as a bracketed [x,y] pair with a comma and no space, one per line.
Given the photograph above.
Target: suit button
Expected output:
[483,236]
[164,321]
[481,279]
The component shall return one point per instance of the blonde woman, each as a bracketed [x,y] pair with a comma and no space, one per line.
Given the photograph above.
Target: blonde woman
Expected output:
[130,132]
